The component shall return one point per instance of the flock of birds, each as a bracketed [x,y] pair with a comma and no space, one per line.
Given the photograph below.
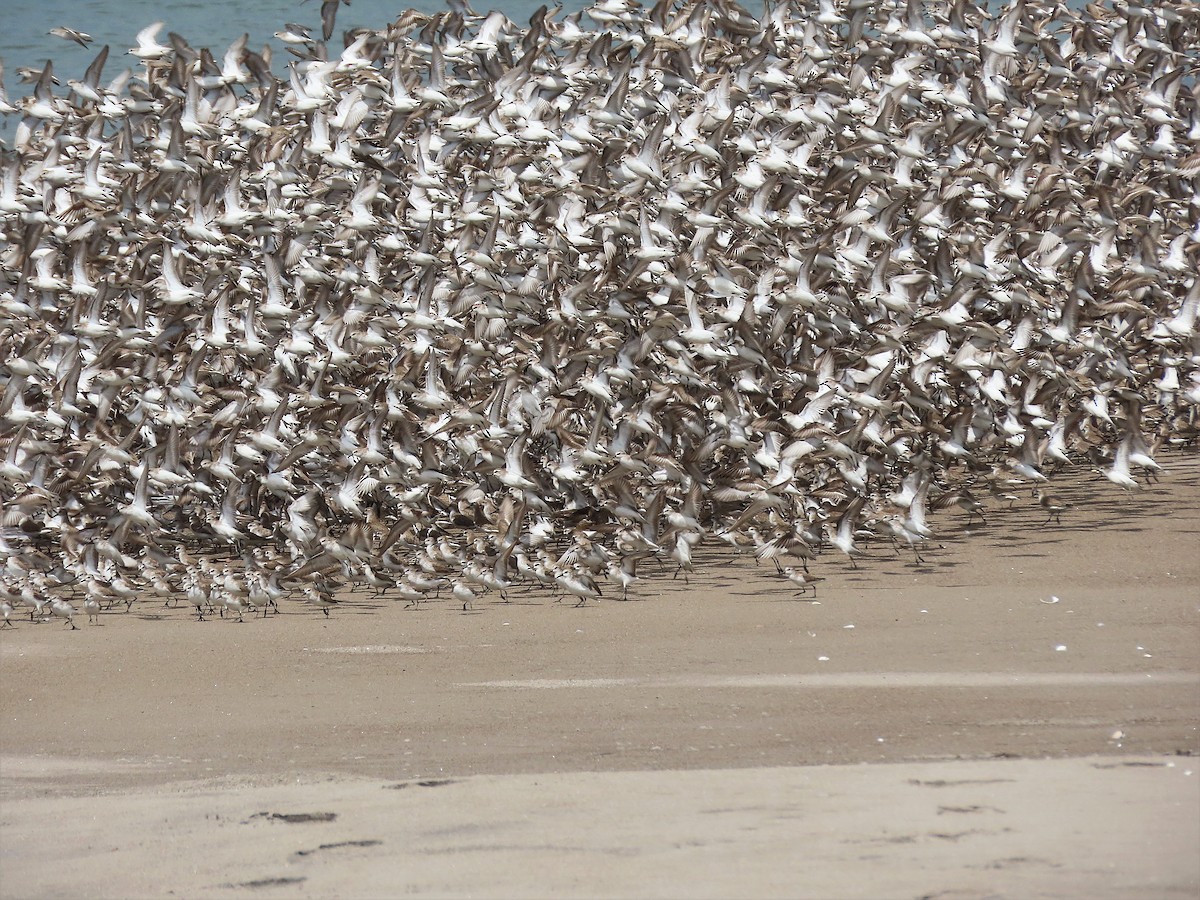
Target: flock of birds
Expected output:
[465,305]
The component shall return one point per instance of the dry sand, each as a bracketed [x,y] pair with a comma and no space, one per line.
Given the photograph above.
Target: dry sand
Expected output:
[706,741]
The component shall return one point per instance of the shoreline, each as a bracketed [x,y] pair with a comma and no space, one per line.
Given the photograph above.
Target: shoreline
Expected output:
[1103,827]
[587,749]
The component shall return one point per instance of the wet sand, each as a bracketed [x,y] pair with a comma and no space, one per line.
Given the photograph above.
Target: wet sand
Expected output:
[1028,700]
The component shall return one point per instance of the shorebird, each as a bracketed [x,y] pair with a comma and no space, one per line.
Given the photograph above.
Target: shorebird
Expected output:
[70,34]
[1053,506]
[64,610]
[801,579]
[842,538]
[321,598]
[410,595]
[35,603]
[463,593]
[965,500]
[462,303]
[329,10]
[148,47]
[264,593]
[295,34]
[197,595]
[232,603]
[578,583]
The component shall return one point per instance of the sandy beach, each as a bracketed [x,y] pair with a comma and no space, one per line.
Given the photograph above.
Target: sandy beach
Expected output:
[472,344]
[1016,717]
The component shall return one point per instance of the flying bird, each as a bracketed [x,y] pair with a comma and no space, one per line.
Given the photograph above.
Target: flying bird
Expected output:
[70,34]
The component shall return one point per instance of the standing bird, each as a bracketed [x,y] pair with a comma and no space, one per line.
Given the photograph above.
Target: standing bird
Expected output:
[35,603]
[321,598]
[196,595]
[1052,505]
[801,579]
[64,610]
[464,594]
[234,604]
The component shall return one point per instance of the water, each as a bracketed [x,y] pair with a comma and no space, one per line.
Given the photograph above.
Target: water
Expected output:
[215,24]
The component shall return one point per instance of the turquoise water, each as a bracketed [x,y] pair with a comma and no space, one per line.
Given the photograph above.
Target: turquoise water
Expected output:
[203,23]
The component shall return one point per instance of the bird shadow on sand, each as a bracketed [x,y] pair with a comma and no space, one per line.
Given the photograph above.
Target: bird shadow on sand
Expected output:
[260,883]
[999,540]
[349,607]
[774,594]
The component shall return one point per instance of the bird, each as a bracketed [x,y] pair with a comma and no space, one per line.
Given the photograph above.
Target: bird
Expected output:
[329,10]
[197,595]
[234,604]
[35,602]
[70,34]
[801,580]
[64,610]
[470,304]
[580,584]
[320,598]
[148,48]
[842,537]
[463,593]
[294,34]
[965,500]
[1052,505]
